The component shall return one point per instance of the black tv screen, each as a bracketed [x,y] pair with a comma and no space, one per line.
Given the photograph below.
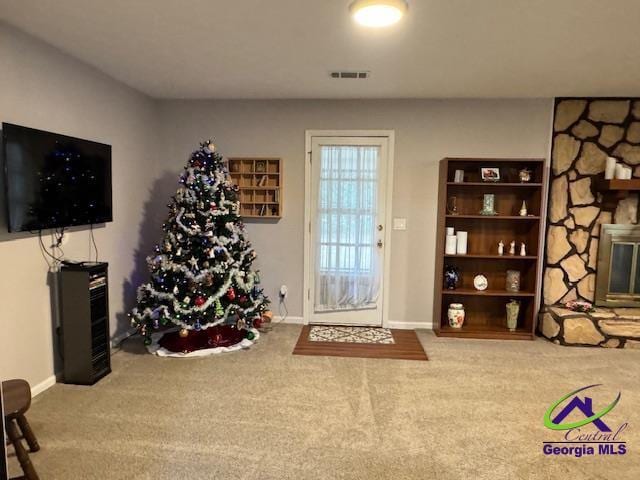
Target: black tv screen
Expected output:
[54,181]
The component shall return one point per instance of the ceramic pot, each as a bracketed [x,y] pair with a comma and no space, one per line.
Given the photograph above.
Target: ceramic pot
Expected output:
[456,315]
[513,311]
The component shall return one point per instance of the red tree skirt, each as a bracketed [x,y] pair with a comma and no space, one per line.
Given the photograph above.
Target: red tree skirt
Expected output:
[212,337]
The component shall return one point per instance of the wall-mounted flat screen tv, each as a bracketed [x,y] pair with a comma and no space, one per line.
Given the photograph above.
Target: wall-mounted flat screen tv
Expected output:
[54,181]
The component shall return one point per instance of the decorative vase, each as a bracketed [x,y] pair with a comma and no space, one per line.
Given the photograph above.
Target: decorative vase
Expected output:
[513,281]
[488,204]
[452,277]
[513,310]
[452,205]
[456,315]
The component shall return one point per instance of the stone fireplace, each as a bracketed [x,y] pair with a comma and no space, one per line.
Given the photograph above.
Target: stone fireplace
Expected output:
[618,266]
[586,230]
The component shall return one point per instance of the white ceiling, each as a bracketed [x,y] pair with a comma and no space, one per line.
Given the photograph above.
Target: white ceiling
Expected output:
[286,48]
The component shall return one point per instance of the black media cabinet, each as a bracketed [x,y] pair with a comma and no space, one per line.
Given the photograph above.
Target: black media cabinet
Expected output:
[84,306]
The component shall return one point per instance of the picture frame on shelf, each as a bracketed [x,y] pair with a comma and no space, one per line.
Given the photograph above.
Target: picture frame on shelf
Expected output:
[490,174]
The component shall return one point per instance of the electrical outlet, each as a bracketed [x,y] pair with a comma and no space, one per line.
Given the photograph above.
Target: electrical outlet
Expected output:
[283,292]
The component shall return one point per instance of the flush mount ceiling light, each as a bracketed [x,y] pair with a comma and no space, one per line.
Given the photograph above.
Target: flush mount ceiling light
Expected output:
[378,13]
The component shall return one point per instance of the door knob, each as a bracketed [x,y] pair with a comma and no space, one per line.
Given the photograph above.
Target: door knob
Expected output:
[379,243]
[379,228]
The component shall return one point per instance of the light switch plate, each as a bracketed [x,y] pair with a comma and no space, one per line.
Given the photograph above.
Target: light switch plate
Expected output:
[399,223]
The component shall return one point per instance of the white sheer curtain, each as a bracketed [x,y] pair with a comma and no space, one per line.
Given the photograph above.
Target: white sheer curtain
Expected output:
[346,260]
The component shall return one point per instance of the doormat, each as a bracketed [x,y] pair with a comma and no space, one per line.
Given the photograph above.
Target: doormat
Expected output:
[330,333]
[404,344]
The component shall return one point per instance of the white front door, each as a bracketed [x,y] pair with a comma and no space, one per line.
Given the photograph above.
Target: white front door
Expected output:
[347,229]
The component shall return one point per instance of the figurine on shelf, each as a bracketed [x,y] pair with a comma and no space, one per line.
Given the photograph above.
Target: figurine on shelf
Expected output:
[525,175]
[523,209]
[501,248]
[512,247]
[523,250]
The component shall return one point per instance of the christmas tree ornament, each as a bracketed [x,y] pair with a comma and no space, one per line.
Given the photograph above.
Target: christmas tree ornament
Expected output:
[219,311]
[184,333]
[241,324]
[199,301]
[250,335]
[231,294]
[257,322]
[209,147]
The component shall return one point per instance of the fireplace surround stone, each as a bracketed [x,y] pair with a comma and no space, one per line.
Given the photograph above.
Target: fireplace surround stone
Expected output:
[604,327]
[585,132]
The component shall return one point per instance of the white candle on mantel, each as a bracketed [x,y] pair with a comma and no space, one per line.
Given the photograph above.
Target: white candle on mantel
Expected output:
[619,175]
[627,173]
[610,169]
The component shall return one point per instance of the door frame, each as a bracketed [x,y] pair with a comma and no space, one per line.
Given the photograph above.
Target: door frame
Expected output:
[309,134]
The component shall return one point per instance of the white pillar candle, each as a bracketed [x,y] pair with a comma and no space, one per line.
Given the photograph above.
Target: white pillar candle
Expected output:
[450,247]
[610,169]
[462,243]
[450,231]
[619,171]
[628,173]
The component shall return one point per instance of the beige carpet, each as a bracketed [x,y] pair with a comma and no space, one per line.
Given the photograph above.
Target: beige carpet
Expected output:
[473,412]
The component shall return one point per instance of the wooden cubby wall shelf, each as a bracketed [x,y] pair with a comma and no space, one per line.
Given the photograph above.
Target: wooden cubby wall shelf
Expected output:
[485,313]
[260,182]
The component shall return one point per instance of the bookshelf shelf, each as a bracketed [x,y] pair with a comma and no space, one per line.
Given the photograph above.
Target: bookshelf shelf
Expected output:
[260,182]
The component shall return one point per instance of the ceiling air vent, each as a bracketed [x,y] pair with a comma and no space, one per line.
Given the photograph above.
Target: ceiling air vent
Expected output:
[361,74]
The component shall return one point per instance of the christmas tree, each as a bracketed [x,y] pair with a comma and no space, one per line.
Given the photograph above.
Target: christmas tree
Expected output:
[201,276]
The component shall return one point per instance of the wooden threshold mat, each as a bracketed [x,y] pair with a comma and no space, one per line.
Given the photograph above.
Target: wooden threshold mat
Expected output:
[406,347]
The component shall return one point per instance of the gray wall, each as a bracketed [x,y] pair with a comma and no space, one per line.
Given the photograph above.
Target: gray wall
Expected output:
[43,88]
[426,131]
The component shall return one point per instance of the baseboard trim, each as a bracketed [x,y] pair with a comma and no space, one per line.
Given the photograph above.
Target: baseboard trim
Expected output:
[398,325]
[289,319]
[118,339]
[410,325]
[44,385]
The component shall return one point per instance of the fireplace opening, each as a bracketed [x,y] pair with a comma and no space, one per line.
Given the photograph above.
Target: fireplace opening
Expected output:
[618,266]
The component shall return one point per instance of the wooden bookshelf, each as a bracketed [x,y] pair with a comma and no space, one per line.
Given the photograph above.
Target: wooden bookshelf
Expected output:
[260,183]
[485,314]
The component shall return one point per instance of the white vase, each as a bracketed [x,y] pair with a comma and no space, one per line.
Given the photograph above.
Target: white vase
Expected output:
[456,315]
